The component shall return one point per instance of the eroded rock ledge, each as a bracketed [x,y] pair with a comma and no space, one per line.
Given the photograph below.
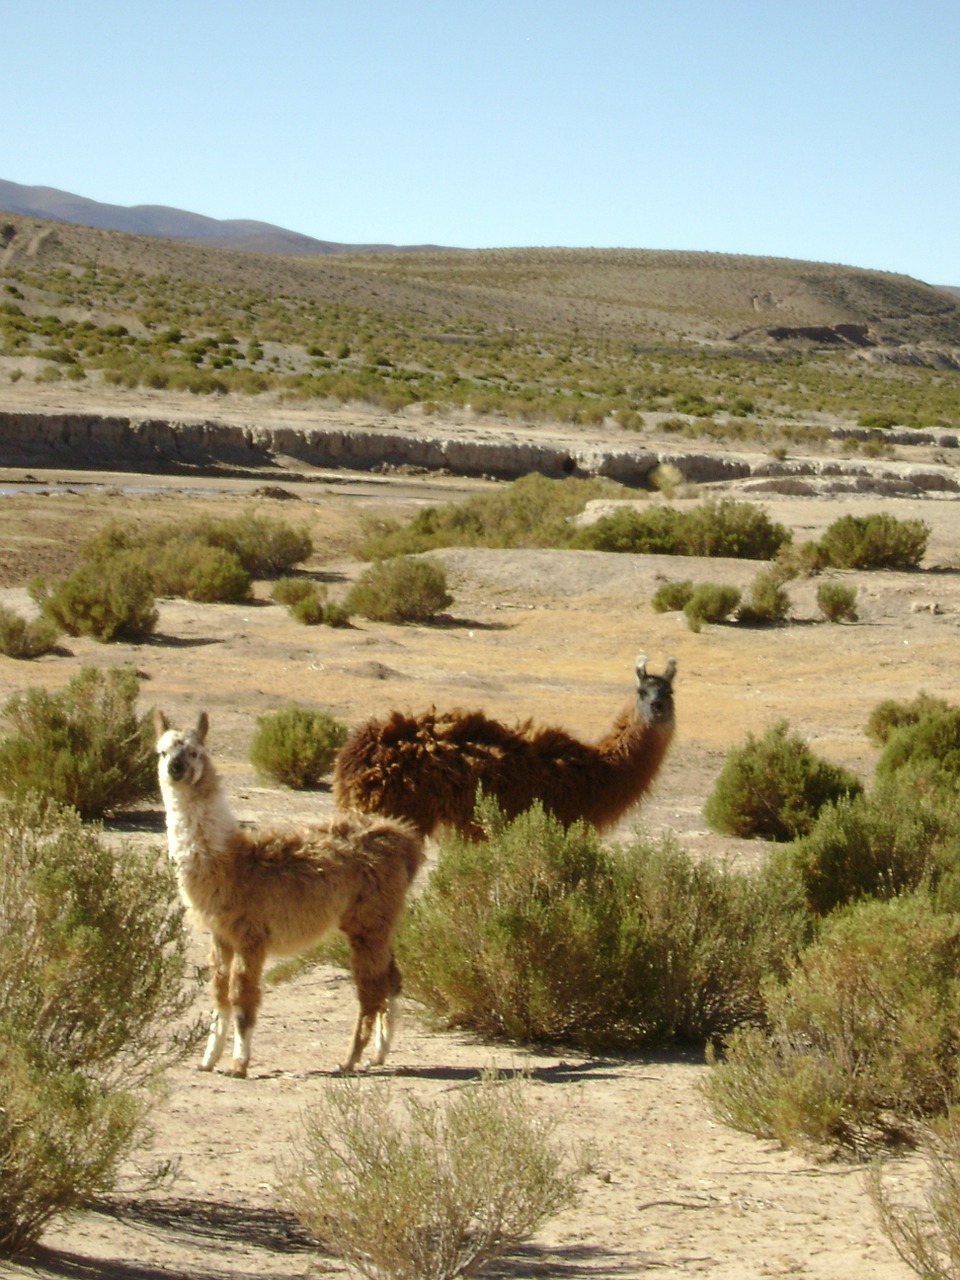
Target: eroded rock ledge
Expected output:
[85,441]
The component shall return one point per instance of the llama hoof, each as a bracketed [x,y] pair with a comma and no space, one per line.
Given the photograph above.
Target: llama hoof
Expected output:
[205,1066]
[238,1070]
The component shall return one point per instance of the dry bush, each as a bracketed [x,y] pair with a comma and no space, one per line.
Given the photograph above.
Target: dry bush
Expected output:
[403,589]
[22,639]
[92,955]
[861,1040]
[84,746]
[774,787]
[927,1236]
[296,746]
[542,934]
[427,1192]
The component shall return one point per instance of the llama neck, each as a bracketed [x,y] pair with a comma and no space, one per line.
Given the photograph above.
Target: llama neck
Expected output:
[634,749]
[199,821]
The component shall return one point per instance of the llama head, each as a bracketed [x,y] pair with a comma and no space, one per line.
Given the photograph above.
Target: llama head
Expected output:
[181,754]
[655,693]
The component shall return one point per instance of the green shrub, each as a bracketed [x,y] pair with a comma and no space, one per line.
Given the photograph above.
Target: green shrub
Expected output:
[336,615]
[195,570]
[672,596]
[710,602]
[310,610]
[803,560]
[714,528]
[83,747]
[863,1035]
[767,602]
[295,746]
[290,591]
[774,787]
[878,419]
[875,542]
[534,511]
[932,743]
[837,601]
[92,955]
[400,590]
[876,845]
[110,599]
[892,714]
[22,639]
[436,1191]
[264,545]
[539,934]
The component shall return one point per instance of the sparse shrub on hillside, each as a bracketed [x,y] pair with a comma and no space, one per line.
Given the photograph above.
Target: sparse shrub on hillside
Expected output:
[295,746]
[428,1191]
[863,1036]
[892,714]
[774,787]
[837,601]
[672,597]
[109,599]
[645,945]
[710,602]
[875,542]
[22,639]
[878,420]
[84,747]
[92,956]
[403,589]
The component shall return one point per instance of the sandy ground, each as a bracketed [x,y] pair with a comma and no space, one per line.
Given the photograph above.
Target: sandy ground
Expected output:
[551,635]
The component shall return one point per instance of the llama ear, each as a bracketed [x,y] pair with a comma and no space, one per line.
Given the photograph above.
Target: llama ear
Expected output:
[671,670]
[160,723]
[641,666]
[203,724]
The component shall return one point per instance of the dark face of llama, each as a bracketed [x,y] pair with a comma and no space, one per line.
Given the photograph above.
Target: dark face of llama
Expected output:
[181,754]
[655,693]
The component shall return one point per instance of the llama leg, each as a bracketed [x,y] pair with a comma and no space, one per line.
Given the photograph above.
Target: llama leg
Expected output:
[377,980]
[245,1001]
[221,955]
[386,1023]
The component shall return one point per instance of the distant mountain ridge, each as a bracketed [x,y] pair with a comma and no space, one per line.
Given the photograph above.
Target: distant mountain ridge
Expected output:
[176,224]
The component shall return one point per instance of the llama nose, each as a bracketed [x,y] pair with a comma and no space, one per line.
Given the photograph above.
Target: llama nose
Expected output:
[176,767]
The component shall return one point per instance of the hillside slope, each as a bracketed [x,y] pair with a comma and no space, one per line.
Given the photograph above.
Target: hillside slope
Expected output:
[160,220]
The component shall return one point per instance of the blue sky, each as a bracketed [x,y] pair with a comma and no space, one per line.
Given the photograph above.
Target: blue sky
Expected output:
[807,129]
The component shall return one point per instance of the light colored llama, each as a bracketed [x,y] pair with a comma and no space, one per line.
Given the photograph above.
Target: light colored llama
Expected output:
[428,768]
[278,891]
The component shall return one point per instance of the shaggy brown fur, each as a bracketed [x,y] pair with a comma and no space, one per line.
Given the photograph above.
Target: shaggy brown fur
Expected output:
[428,768]
[279,891]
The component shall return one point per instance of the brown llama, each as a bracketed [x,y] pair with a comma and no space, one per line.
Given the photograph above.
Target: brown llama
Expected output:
[278,891]
[428,769]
